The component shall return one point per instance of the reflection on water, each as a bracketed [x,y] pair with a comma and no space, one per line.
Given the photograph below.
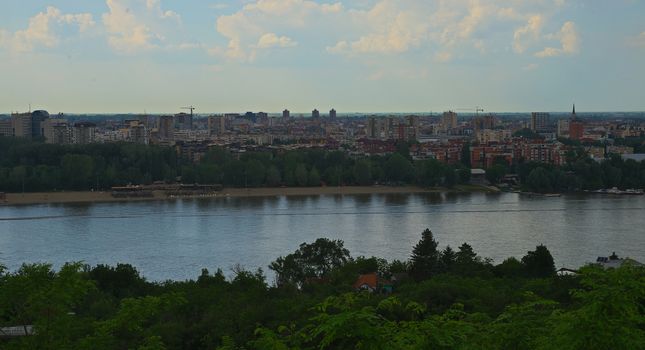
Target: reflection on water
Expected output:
[175,239]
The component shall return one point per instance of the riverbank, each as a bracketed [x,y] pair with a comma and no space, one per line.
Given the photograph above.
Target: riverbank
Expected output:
[101,197]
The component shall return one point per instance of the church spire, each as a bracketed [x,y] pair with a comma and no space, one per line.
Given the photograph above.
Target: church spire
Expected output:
[574,109]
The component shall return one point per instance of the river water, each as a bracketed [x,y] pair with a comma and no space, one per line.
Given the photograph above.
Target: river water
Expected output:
[176,239]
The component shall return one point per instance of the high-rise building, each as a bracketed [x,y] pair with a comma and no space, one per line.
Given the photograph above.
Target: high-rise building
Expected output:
[37,118]
[286,114]
[539,121]
[372,128]
[56,131]
[315,113]
[332,114]
[21,124]
[137,132]
[448,121]
[84,133]
[563,128]
[6,128]
[166,127]
[184,121]
[216,125]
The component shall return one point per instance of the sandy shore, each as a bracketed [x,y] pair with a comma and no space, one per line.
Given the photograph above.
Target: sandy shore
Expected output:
[98,197]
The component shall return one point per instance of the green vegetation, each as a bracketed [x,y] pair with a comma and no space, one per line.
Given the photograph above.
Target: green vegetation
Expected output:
[583,174]
[456,300]
[37,167]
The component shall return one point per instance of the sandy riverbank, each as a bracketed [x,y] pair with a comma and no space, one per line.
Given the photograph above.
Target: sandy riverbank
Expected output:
[98,197]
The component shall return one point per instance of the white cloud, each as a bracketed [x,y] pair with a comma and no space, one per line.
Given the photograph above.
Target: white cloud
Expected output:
[270,40]
[42,30]
[340,47]
[569,41]
[529,32]
[254,26]
[132,27]
[439,28]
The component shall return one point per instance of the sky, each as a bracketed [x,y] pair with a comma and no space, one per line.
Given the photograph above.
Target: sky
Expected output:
[131,56]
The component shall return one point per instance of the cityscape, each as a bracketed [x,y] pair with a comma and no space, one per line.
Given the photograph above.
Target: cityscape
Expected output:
[322,174]
[538,136]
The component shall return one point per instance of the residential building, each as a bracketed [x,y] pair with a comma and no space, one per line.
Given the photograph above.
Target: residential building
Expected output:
[563,128]
[21,124]
[56,131]
[83,133]
[6,128]
[216,125]
[539,121]
[315,114]
[184,121]
[332,114]
[166,127]
[448,121]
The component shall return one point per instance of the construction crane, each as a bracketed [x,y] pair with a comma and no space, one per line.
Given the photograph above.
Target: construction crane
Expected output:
[191,109]
[476,109]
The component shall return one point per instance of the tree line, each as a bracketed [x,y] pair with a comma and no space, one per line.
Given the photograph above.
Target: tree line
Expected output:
[452,299]
[32,166]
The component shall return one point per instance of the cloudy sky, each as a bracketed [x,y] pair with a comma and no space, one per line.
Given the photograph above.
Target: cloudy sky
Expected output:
[353,55]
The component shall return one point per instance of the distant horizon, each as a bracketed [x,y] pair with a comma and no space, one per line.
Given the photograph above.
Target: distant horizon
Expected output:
[322,112]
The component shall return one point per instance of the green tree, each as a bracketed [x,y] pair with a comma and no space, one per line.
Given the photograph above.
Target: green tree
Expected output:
[301,175]
[425,257]
[273,176]
[398,168]
[255,173]
[313,178]
[448,258]
[610,315]
[315,260]
[362,172]
[539,263]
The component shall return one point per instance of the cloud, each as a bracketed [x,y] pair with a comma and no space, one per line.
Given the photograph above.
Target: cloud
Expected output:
[269,40]
[42,30]
[253,27]
[132,27]
[440,29]
[637,41]
[443,57]
[531,30]
[569,41]
[531,66]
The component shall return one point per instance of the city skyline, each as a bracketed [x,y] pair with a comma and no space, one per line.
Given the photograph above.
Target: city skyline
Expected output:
[130,56]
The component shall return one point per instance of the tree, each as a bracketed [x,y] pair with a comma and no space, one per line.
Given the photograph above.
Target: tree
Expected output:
[255,173]
[314,177]
[539,263]
[315,260]
[447,258]
[466,255]
[398,168]
[495,173]
[301,175]
[539,180]
[273,176]
[425,257]
[362,172]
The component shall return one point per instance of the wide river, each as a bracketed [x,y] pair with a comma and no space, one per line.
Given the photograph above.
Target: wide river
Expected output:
[176,239]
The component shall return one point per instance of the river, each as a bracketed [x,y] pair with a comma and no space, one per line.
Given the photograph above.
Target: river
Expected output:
[176,239]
